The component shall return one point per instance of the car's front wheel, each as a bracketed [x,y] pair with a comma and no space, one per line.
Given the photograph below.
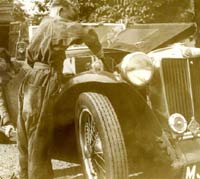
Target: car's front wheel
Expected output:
[100,139]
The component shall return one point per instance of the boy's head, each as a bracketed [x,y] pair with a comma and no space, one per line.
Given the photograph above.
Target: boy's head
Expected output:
[64,9]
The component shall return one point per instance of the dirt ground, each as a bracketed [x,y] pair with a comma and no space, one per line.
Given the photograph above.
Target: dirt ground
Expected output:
[9,165]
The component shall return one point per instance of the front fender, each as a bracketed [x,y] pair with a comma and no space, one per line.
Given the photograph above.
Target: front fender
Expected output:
[128,101]
[91,77]
[138,123]
[83,82]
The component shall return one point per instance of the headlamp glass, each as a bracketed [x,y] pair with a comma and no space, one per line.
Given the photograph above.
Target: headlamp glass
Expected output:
[137,68]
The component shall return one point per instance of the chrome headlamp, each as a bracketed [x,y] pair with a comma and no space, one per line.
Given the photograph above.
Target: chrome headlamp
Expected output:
[137,68]
[177,123]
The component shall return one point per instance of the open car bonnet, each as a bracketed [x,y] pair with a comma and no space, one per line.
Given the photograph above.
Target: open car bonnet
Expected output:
[139,37]
[147,37]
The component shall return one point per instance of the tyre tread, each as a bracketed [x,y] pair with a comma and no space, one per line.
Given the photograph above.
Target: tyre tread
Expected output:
[111,125]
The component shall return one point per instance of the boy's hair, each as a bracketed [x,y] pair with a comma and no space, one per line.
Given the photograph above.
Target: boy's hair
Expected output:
[64,3]
[73,13]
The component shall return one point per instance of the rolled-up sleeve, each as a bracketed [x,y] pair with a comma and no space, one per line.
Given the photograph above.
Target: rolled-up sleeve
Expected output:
[88,36]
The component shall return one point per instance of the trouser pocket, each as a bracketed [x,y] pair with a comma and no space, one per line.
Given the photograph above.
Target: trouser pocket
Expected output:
[33,97]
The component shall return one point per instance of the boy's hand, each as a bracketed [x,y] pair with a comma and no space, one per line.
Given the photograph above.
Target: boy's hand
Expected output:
[8,130]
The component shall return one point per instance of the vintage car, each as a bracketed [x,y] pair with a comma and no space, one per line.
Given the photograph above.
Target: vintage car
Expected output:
[134,116]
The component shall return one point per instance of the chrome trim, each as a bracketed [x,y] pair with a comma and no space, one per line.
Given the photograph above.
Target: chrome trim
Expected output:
[190,135]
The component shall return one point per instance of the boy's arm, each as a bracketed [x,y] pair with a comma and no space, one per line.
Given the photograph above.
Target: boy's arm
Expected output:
[91,39]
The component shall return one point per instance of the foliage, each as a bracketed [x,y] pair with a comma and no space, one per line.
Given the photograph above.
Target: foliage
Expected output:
[41,9]
[87,7]
[147,11]
[18,12]
[32,11]
[114,13]
[128,11]
[144,11]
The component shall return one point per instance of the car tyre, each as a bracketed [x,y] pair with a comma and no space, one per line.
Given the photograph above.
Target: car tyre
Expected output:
[99,136]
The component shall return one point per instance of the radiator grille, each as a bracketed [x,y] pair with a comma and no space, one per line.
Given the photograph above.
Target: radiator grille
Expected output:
[195,83]
[177,86]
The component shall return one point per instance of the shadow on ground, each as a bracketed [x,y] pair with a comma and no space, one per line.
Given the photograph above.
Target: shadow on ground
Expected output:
[68,173]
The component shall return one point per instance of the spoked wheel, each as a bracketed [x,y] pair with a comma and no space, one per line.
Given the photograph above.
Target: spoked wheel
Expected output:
[91,145]
[100,139]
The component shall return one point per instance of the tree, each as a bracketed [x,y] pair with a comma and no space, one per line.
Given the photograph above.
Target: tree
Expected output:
[32,10]
[18,12]
[134,11]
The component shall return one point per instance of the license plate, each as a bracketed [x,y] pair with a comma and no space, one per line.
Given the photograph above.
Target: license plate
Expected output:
[192,172]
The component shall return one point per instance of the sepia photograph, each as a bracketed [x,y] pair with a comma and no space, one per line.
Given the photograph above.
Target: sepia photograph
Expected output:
[99,89]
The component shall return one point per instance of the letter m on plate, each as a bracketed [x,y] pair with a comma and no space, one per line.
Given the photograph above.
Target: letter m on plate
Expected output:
[191,173]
